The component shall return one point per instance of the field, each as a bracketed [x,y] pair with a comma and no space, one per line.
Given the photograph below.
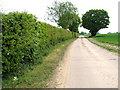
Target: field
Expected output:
[108,38]
[108,41]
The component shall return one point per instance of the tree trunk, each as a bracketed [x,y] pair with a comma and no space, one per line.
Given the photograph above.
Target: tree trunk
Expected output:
[93,33]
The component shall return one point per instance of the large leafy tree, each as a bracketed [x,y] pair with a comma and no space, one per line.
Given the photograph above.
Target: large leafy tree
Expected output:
[75,24]
[94,20]
[63,13]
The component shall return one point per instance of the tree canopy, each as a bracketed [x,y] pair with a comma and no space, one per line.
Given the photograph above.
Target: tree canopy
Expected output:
[64,14]
[94,20]
[75,24]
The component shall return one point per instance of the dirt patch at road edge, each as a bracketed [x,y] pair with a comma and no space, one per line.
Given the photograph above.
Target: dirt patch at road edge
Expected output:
[59,79]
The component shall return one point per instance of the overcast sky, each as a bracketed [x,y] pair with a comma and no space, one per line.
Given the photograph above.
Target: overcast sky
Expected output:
[39,8]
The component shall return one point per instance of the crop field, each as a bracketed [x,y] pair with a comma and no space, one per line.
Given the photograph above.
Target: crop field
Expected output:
[108,38]
[107,41]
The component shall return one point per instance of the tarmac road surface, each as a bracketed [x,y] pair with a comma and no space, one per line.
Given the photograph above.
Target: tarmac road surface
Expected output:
[91,66]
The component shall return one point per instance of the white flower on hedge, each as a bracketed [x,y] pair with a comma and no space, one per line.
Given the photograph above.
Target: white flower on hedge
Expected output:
[15,78]
[7,53]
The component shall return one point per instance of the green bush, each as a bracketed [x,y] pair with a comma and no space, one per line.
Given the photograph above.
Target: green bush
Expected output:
[25,40]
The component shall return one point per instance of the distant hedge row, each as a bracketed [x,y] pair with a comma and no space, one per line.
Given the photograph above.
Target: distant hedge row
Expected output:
[26,40]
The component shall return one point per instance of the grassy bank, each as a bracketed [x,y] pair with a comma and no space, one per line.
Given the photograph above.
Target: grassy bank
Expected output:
[40,74]
[107,41]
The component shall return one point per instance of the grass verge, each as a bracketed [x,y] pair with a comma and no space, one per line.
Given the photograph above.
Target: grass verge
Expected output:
[37,78]
[107,41]
[109,47]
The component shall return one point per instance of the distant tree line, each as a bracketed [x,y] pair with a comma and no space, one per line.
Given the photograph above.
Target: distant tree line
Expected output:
[82,33]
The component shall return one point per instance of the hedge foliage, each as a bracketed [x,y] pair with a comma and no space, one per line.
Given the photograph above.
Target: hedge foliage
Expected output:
[25,40]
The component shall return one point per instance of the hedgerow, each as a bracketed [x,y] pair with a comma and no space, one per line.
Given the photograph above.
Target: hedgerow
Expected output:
[25,40]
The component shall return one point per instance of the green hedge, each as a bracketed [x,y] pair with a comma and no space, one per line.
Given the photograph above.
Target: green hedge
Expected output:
[25,40]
